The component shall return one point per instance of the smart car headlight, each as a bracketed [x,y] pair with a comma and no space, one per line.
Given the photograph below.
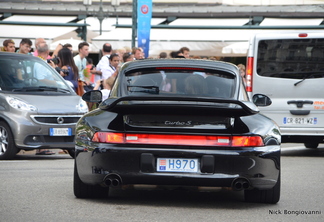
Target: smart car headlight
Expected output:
[20,105]
[82,106]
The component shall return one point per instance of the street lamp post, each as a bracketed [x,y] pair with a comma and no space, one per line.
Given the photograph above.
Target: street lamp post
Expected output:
[86,3]
[115,4]
[134,23]
[100,16]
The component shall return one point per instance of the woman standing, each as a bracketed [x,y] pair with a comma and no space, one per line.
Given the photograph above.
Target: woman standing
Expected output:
[114,62]
[69,71]
[242,72]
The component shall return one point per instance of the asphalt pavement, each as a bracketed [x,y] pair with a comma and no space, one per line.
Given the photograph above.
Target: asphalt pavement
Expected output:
[31,152]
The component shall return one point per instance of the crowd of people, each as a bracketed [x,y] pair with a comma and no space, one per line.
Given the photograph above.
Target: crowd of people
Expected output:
[79,70]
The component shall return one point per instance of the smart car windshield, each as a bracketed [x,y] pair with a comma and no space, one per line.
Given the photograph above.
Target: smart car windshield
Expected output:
[19,74]
[180,81]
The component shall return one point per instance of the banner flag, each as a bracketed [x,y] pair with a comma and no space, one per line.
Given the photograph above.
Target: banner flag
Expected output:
[144,15]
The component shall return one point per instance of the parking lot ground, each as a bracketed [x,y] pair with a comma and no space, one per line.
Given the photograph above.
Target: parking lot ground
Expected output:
[31,152]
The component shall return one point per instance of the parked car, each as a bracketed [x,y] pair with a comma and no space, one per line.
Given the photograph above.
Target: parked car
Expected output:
[39,110]
[178,122]
[288,68]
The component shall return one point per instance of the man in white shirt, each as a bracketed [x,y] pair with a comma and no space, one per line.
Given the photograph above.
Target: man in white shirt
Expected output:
[80,59]
[41,71]
[103,69]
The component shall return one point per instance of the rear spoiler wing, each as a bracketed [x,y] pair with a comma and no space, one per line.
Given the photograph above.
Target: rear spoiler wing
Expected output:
[248,107]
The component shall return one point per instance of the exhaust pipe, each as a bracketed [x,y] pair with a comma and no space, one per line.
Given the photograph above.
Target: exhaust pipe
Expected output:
[241,184]
[108,182]
[112,180]
[115,182]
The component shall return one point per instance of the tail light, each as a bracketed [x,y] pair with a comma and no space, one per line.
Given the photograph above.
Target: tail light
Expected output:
[302,35]
[188,140]
[249,73]
[103,137]
[247,141]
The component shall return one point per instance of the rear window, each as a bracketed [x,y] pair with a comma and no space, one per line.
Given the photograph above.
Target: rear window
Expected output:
[180,81]
[291,58]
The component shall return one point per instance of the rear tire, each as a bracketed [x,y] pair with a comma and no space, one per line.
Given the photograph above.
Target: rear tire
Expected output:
[82,190]
[71,152]
[8,149]
[311,145]
[270,196]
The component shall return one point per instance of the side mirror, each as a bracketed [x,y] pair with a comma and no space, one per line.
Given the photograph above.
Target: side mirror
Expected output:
[261,100]
[93,96]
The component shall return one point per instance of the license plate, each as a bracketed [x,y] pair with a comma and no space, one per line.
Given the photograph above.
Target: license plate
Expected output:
[300,120]
[177,165]
[60,131]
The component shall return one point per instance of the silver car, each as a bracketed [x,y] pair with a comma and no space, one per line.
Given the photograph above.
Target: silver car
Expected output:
[38,108]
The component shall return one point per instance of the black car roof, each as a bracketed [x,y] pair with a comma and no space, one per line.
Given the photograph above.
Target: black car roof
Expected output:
[199,63]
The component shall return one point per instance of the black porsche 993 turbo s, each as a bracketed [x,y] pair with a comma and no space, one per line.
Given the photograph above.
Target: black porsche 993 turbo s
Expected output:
[178,122]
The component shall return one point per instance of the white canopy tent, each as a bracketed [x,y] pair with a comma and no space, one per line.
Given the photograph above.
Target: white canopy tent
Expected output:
[237,49]
[201,42]
[58,34]
[73,42]
[108,24]
[210,22]
[17,32]
[291,22]
[39,18]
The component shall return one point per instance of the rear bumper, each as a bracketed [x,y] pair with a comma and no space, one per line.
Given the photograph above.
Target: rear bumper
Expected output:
[302,131]
[217,168]
[302,135]
[302,139]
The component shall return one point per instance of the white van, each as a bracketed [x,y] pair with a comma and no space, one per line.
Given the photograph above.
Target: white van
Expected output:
[288,67]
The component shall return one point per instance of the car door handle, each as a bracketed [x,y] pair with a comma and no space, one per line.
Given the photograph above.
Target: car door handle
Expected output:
[299,112]
[300,103]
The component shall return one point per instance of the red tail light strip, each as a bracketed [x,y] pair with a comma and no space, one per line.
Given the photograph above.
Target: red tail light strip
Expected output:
[176,140]
[184,68]
[189,140]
